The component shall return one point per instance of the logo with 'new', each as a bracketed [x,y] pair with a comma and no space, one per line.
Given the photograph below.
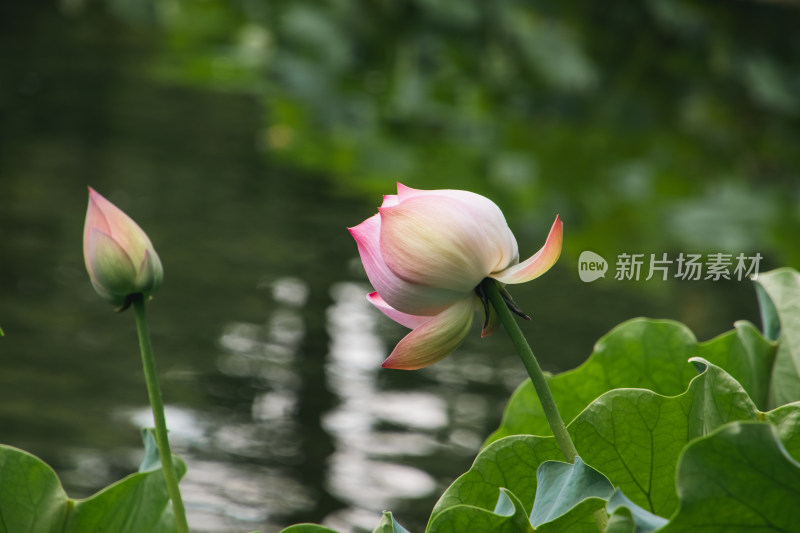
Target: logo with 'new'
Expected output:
[591,266]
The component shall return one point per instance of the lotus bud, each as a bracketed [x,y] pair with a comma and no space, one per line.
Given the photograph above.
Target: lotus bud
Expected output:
[119,257]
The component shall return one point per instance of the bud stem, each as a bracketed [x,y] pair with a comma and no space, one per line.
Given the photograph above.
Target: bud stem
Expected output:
[154,393]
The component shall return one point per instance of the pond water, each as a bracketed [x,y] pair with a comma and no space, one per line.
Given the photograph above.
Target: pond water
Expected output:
[268,351]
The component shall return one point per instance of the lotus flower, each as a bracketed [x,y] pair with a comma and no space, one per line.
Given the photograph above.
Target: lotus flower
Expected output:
[426,253]
[119,256]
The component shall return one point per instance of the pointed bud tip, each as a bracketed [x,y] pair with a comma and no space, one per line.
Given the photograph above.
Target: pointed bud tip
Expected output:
[391,364]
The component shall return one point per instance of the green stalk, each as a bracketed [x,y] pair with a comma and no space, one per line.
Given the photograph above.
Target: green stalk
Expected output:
[154,393]
[492,290]
[534,370]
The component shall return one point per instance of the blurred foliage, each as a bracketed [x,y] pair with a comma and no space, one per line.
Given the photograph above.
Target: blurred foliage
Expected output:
[648,125]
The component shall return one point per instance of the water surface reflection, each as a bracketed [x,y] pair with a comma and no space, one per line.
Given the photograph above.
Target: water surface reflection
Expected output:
[366,469]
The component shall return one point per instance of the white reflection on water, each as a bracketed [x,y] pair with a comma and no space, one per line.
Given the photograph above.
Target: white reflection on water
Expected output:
[416,410]
[238,475]
[367,470]
[375,484]
[185,427]
[220,496]
[274,407]
[289,291]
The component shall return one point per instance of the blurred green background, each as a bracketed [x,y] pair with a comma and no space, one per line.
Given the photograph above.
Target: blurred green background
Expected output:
[245,136]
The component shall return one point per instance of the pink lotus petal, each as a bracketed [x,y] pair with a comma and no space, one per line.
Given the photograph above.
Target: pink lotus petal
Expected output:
[118,225]
[439,241]
[150,273]
[95,219]
[110,268]
[404,319]
[404,192]
[483,210]
[538,263]
[435,339]
[398,293]
[389,200]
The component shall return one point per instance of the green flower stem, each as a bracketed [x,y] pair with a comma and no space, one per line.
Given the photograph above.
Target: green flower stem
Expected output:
[492,289]
[534,370]
[154,393]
